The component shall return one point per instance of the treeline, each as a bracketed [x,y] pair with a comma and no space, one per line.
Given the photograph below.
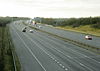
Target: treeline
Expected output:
[6,20]
[74,22]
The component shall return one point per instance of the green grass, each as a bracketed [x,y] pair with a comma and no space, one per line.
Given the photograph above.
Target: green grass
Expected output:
[83,29]
[82,45]
[6,59]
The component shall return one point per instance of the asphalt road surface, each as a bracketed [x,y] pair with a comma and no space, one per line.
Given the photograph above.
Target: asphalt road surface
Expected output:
[39,51]
[72,35]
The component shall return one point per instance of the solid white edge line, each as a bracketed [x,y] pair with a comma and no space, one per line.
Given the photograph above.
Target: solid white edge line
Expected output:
[41,48]
[31,52]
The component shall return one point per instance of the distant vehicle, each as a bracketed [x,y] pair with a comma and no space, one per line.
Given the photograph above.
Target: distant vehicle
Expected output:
[88,37]
[31,31]
[40,26]
[24,29]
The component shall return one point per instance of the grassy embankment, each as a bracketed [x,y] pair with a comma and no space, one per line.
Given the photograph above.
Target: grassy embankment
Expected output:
[6,57]
[83,29]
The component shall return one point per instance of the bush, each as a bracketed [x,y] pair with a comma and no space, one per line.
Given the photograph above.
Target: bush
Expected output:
[75,25]
[96,26]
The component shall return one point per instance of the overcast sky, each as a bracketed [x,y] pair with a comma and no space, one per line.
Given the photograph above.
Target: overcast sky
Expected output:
[50,8]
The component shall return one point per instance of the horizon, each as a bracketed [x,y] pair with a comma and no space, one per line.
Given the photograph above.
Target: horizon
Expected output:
[52,17]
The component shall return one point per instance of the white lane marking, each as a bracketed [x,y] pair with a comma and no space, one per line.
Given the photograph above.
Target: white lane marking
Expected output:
[11,30]
[71,58]
[82,64]
[63,66]
[31,52]
[51,57]
[90,58]
[86,67]
[85,56]
[77,52]
[44,51]
[80,53]
[66,69]
[75,60]
[55,60]
[93,59]
[58,62]
[41,48]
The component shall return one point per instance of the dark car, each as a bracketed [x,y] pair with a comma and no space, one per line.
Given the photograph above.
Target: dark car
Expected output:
[24,29]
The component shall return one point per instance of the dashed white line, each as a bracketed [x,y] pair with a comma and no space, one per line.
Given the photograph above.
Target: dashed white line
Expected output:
[75,60]
[78,53]
[63,66]
[58,62]
[85,56]
[82,64]
[98,62]
[53,58]
[66,69]
[86,67]
[45,52]
[31,52]
[93,59]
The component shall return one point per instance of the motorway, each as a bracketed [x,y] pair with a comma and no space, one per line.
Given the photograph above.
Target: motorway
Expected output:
[39,51]
[72,35]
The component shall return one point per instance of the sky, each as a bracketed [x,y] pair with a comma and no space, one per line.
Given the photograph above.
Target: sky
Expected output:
[50,8]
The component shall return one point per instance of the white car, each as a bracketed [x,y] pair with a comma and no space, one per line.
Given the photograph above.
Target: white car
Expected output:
[40,26]
[31,31]
[88,37]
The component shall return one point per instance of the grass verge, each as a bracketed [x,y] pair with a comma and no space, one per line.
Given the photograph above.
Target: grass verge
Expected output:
[85,46]
[83,29]
[6,49]
[16,61]
[6,61]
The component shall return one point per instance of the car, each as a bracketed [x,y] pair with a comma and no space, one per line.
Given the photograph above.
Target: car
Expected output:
[31,31]
[88,37]
[24,29]
[40,26]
